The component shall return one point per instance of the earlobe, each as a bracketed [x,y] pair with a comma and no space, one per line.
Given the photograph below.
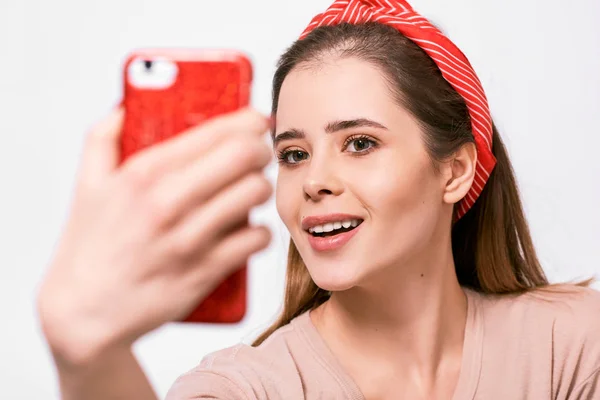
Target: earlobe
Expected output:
[460,173]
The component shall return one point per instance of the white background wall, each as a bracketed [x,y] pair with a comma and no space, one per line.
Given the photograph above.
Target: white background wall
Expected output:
[539,61]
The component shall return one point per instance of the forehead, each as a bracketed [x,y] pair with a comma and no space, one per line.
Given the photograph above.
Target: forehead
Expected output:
[334,89]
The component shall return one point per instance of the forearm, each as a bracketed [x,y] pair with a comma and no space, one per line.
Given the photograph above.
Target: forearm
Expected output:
[113,375]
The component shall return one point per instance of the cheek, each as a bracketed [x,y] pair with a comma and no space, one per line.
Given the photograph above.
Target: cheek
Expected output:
[399,186]
[287,197]
[403,201]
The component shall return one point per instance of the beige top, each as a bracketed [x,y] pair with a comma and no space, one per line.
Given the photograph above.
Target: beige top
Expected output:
[515,347]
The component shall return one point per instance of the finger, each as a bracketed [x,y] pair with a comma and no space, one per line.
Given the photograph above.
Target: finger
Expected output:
[229,162]
[196,142]
[101,149]
[233,251]
[220,215]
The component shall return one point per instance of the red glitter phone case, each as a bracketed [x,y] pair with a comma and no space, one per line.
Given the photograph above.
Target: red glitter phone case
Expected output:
[196,85]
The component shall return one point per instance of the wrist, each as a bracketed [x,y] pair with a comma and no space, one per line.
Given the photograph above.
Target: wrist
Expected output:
[75,341]
[75,352]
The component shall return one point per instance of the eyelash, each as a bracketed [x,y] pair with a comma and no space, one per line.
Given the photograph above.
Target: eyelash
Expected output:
[283,155]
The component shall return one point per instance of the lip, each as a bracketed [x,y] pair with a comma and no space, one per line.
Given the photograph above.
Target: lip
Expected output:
[311,221]
[330,243]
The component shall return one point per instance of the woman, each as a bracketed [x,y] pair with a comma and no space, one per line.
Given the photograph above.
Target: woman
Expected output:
[411,271]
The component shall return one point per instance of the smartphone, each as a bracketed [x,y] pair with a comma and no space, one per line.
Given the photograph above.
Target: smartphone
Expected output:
[167,91]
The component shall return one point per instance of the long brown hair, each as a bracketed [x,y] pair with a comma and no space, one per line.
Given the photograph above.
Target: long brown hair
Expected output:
[492,246]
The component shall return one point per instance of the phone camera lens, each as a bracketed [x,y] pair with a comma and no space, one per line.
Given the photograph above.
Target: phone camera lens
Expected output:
[147,65]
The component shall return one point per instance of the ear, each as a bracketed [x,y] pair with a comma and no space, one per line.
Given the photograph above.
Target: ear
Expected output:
[459,173]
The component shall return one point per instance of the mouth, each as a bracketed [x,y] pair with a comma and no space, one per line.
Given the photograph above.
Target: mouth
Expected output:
[332,231]
[334,228]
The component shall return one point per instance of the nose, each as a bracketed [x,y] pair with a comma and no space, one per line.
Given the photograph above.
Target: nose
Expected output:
[322,181]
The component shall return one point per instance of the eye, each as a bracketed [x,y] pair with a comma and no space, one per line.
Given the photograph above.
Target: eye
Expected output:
[292,156]
[359,144]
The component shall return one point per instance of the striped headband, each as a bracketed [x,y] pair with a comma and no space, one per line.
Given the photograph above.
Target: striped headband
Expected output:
[453,64]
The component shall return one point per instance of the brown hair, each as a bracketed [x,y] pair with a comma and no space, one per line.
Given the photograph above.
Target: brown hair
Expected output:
[492,246]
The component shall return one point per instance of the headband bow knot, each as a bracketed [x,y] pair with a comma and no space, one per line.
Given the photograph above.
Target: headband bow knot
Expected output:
[453,64]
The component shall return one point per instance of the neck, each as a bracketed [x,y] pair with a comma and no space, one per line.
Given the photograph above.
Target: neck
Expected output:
[411,317]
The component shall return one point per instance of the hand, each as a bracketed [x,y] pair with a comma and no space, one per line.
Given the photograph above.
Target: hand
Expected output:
[146,241]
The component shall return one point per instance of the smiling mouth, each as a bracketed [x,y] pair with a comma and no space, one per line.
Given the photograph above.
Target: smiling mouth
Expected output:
[334,228]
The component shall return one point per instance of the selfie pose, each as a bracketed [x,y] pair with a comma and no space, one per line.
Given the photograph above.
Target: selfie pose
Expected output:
[411,270]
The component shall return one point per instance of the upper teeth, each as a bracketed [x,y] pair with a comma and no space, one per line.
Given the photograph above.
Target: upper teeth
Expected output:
[333,226]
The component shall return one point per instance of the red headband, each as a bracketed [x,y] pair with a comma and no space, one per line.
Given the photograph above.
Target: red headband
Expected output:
[453,64]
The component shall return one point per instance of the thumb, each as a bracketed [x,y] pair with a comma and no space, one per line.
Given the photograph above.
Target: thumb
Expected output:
[102,148]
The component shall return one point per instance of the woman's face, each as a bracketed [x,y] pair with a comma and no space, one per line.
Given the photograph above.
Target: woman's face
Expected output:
[351,158]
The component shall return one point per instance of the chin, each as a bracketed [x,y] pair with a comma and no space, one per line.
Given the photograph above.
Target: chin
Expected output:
[334,277]
[333,285]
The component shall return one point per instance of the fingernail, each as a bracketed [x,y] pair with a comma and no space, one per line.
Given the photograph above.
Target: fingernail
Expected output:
[120,104]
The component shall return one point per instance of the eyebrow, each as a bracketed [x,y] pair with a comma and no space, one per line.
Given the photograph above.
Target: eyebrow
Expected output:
[331,127]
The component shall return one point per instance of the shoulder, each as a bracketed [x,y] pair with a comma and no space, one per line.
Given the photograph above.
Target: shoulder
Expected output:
[561,320]
[575,315]
[242,371]
[572,310]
